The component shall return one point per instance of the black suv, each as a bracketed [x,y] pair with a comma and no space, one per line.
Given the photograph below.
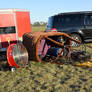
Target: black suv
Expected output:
[76,24]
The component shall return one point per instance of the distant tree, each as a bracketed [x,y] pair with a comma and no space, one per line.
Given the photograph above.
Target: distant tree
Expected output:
[36,24]
[39,24]
[43,23]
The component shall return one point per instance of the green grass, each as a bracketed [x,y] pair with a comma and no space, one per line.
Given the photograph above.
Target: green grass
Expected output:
[46,77]
[36,29]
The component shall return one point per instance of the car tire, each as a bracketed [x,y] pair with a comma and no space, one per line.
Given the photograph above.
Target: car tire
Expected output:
[76,37]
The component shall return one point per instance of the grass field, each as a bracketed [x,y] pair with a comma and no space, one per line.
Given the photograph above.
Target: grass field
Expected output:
[47,77]
[36,29]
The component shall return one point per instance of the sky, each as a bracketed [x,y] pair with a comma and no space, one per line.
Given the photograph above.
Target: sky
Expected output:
[41,10]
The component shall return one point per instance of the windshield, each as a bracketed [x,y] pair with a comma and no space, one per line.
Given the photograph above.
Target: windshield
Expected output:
[50,23]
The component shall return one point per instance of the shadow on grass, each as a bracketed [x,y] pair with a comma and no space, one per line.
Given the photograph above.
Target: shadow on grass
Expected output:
[4,66]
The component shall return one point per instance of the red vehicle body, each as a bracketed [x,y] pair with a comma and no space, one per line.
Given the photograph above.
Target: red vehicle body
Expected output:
[13,24]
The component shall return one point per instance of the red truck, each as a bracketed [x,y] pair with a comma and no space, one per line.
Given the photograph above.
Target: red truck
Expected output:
[13,24]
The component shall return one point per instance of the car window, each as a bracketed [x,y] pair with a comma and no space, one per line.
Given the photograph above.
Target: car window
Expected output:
[59,22]
[88,20]
[66,21]
[77,20]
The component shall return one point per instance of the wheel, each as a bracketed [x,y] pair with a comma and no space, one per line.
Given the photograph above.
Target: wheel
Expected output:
[76,37]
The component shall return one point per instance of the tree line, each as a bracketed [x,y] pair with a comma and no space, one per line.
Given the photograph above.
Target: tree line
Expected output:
[39,24]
